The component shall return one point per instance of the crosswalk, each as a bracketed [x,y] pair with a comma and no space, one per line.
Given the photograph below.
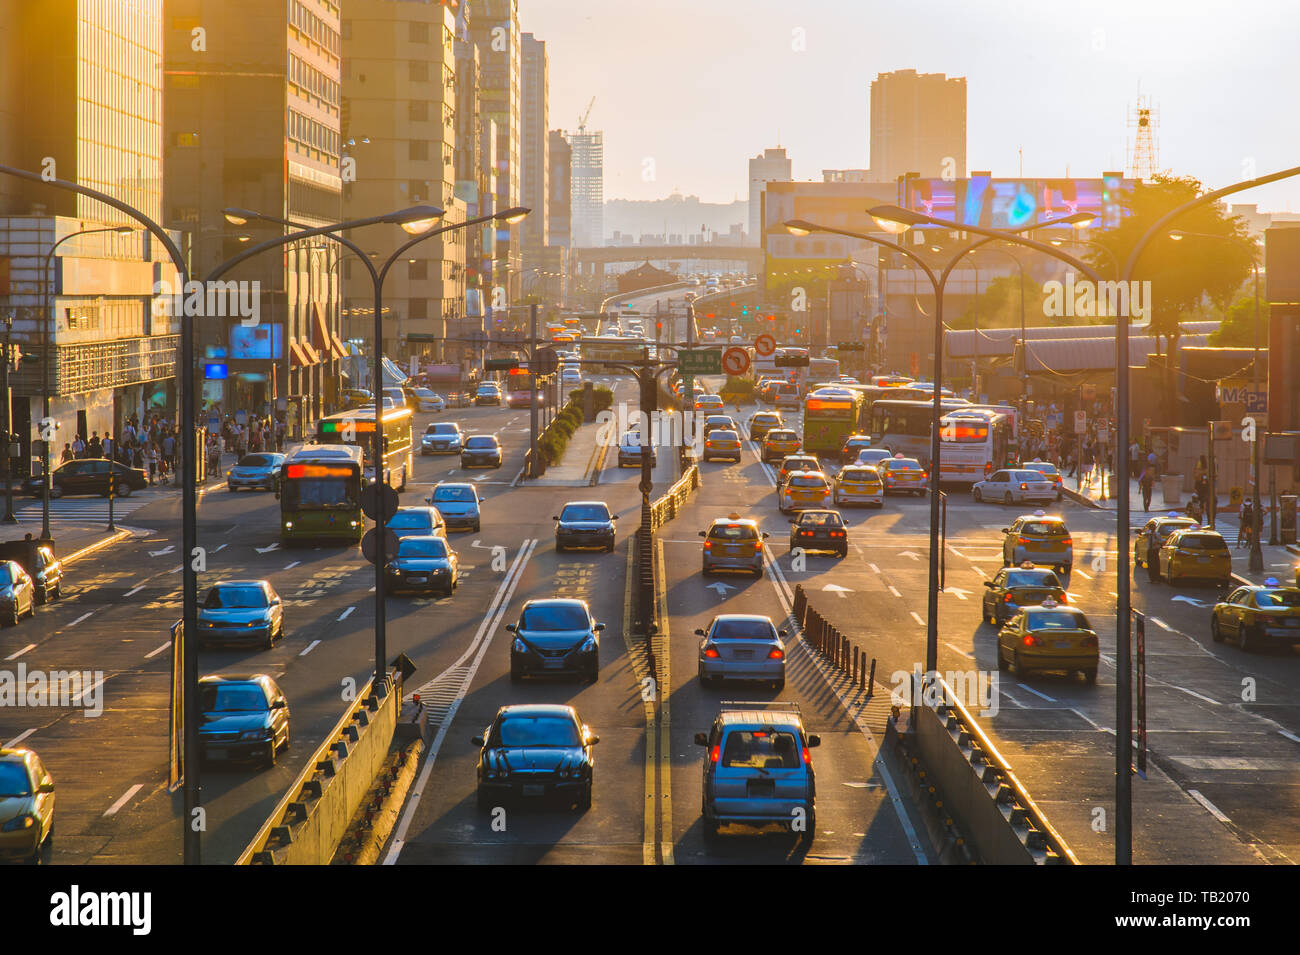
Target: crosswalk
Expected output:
[84,510]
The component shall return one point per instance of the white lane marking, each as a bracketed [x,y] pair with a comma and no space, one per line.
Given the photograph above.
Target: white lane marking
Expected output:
[978,570]
[1291,736]
[959,650]
[1160,623]
[76,700]
[917,617]
[81,618]
[220,548]
[874,568]
[153,653]
[1210,807]
[19,738]
[126,796]
[1197,695]
[311,646]
[1030,689]
[132,593]
[1085,576]
[495,612]
[956,552]
[177,569]
[17,653]
[293,565]
[894,590]
[345,614]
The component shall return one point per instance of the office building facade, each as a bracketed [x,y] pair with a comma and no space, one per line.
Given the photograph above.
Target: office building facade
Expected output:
[918,124]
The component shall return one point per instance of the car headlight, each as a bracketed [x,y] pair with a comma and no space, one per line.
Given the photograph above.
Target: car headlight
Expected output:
[19,823]
[519,646]
[288,525]
[255,734]
[588,645]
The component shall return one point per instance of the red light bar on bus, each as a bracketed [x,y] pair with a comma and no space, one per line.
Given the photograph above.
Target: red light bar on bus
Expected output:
[319,471]
[823,404]
[963,432]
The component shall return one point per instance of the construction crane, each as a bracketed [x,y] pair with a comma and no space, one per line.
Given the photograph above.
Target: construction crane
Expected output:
[582,120]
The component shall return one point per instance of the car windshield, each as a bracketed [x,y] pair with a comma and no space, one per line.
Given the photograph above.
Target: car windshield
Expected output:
[406,520]
[724,434]
[536,730]
[453,494]
[232,698]
[1044,468]
[821,519]
[1278,598]
[584,512]
[256,461]
[481,442]
[1044,529]
[415,547]
[760,749]
[733,532]
[782,436]
[858,474]
[1164,530]
[800,464]
[1057,620]
[806,481]
[1028,475]
[872,455]
[442,428]
[743,630]
[558,617]
[1202,542]
[906,465]
[1032,578]
[235,598]
[14,780]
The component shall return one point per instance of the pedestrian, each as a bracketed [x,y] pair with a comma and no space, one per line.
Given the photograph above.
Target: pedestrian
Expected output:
[68,454]
[169,452]
[106,446]
[78,446]
[151,461]
[1134,456]
[1246,529]
[1202,489]
[1147,483]
[93,447]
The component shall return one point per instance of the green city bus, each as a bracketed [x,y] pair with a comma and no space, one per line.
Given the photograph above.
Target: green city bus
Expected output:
[829,419]
[357,427]
[320,494]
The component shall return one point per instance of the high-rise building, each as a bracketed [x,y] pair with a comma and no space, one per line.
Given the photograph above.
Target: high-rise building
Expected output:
[474,189]
[399,143]
[587,188]
[559,204]
[918,124]
[81,100]
[494,27]
[253,119]
[771,166]
[536,157]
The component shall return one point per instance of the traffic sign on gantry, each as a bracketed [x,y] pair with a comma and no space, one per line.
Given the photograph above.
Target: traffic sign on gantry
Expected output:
[700,361]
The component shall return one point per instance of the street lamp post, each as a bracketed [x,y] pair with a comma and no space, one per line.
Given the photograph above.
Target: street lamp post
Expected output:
[9,517]
[1257,521]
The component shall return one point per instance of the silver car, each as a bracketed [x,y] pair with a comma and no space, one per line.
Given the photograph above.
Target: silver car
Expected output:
[1014,486]
[742,646]
[458,504]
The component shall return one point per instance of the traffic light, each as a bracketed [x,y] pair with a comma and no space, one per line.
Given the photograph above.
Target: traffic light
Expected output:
[649,394]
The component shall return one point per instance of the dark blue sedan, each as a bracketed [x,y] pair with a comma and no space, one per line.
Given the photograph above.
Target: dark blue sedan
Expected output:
[536,752]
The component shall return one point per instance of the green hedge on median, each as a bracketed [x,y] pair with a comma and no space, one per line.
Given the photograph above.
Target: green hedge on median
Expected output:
[553,441]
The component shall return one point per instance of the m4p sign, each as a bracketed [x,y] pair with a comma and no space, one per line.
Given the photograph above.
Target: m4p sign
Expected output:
[1238,391]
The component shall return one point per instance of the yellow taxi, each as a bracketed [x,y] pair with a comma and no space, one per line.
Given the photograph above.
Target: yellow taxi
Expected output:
[779,442]
[1195,554]
[26,804]
[1040,539]
[709,403]
[858,484]
[763,422]
[804,489]
[1256,616]
[796,462]
[732,543]
[723,443]
[1012,588]
[1148,539]
[1049,637]
[904,475]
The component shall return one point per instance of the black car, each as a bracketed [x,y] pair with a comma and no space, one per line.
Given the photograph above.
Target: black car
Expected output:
[424,565]
[481,449]
[88,476]
[536,752]
[242,718]
[820,530]
[37,557]
[585,524]
[553,637]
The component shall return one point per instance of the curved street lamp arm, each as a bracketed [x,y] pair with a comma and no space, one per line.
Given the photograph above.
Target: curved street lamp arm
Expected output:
[884,243]
[278,241]
[1159,226]
[477,220]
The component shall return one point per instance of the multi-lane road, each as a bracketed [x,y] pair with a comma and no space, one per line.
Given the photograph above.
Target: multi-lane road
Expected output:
[1224,726]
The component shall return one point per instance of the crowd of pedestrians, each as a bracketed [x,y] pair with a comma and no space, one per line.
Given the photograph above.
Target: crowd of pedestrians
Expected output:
[150,446]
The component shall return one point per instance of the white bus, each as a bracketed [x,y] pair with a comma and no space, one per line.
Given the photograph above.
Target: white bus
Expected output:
[903,427]
[973,444]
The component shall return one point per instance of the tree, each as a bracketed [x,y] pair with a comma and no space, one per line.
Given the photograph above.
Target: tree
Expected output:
[1181,273]
[1238,327]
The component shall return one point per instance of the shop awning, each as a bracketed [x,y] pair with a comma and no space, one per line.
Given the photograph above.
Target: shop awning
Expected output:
[297,358]
[320,332]
[336,347]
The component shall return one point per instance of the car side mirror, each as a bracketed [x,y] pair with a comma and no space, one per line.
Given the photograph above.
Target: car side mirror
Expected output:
[45,788]
[794,522]
[613,517]
[279,705]
[989,584]
[701,739]
[766,535]
[783,633]
[599,626]
[1005,531]
[275,601]
[702,533]
[477,741]
[556,517]
[511,627]
[699,632]
[593,741]
[814,740]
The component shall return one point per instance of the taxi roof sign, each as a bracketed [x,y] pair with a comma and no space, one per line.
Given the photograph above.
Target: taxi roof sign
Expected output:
[1270,582]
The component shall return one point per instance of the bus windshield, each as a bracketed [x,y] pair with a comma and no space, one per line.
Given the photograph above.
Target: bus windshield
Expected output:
[321,493]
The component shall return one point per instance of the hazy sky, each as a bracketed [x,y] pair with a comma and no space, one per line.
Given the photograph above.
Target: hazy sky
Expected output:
[686,91]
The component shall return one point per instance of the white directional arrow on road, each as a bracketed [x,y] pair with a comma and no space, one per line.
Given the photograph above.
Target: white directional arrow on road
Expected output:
[721,588]
[1191,600]
[837,590]
[908,553]
[159,553]
[268,548]
[956,592]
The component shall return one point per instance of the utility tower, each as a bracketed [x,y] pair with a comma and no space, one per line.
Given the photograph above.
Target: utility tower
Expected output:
[1144,160]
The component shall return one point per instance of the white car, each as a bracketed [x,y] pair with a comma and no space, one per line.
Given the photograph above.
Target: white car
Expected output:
[429,401]
[1014,486]
[629,451]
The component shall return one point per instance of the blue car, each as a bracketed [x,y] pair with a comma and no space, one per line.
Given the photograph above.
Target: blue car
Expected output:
[256,471]
[241,612]
[242,717]
[458,504]
[536,752]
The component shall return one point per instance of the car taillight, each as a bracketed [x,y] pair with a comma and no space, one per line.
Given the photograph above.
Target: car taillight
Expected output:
[711,652]
[805,533]
[776,653]
[1023,540]
[807,757]
[1068,542]
[1030,640]
[708,444]
[1062,597]
[1024,486]
[708,545]
[837,533]
[1090,641]
[715,753]
[758,545]
[1007,599]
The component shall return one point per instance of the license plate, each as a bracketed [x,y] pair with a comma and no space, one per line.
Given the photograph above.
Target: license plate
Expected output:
[417,579]
[761,788]
[1062,644]
[216,752]
[531,789]
[744,654]
[553,664]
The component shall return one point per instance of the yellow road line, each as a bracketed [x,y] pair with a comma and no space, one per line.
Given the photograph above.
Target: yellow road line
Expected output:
[95,547]
[639,672]
[665,714]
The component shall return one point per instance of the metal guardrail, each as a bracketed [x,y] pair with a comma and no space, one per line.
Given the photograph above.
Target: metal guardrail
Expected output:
[669,506]
[291,807]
